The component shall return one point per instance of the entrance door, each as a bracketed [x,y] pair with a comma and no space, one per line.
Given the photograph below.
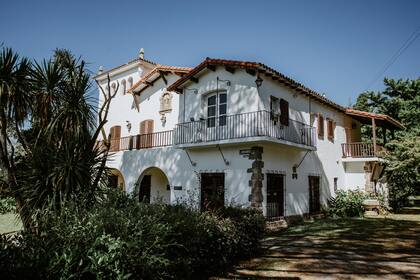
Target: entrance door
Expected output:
[144,193]
[212,191]
[314,195]
[275,195]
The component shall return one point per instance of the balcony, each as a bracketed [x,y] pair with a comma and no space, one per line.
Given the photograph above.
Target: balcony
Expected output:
[246,127]
[142,141]
[361,150]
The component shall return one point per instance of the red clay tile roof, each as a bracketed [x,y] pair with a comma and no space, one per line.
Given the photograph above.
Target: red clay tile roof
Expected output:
[380,117]
[275,75]
[156,70]
[260,68]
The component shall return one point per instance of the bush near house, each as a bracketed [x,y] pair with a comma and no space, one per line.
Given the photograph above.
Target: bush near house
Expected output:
[124,239]
[350,203]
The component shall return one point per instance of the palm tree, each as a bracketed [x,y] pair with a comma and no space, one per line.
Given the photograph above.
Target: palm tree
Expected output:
[15,106]
[62,160]
[65,162]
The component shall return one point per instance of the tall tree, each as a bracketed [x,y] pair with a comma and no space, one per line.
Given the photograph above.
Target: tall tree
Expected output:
[401,100]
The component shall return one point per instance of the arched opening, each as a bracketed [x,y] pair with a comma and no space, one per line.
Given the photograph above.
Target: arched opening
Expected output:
[116,179]
[154,186]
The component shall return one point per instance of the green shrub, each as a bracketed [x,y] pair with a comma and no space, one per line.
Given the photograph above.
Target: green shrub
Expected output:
[7,205]
[124,239]
[347,204]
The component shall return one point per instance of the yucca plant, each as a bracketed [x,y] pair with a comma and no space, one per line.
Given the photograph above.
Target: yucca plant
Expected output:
[61,159]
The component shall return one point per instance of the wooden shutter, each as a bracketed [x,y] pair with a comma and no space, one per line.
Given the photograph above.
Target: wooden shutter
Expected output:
[320,125]
[146,127]
[115,134]
[330,129]
[146,141]
[284,112]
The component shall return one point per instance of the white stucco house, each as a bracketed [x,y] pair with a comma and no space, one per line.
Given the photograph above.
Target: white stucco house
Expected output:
[235,133]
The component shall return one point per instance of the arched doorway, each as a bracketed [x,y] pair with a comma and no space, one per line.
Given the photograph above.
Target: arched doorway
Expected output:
[154,186]
[116,179]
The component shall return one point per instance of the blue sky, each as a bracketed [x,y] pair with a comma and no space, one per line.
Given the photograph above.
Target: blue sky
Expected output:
[334,47]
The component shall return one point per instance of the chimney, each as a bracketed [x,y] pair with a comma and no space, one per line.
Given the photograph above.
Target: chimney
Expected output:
[141,54]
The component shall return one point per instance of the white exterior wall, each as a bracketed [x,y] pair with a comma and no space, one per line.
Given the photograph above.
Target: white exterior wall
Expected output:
[122,105]
[355,176]
[243,96]
[149,105]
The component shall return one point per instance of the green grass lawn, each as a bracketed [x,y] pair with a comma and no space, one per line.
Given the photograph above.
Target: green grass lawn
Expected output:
[9,222]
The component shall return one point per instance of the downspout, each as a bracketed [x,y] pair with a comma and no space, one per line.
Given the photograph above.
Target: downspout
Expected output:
[183,101]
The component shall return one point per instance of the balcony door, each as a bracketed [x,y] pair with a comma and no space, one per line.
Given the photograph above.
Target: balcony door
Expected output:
[216,116]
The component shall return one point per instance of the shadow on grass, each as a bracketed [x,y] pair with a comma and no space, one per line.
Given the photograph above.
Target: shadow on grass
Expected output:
[375,247]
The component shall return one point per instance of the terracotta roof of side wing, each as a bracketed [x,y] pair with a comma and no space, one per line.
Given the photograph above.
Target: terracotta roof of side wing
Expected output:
[381,117]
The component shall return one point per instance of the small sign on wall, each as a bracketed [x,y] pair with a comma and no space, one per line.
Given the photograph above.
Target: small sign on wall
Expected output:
[177,188]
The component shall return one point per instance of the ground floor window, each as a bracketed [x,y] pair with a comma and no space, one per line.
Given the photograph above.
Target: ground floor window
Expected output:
[212,191]
[275,196]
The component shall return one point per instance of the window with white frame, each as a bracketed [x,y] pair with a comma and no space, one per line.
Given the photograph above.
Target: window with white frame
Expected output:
[216,109]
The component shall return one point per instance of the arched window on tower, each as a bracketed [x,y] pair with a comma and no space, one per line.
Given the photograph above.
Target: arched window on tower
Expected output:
[124,86]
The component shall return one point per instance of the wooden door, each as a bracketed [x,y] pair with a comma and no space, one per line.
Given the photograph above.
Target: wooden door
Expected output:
[212,191]
[275,196]
[144,192]
[314,195]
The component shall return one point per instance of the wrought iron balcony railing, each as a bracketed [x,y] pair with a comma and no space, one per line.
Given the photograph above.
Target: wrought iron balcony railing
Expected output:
[245,125]
[142,141]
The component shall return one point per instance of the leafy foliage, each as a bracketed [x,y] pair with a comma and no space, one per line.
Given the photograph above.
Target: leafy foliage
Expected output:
[347,204]
[400,100]
[403,170]
[7,205]
[124,239]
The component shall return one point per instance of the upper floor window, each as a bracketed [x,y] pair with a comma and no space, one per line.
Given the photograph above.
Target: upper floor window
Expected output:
[320,125]
[274,108]
[216,109]
[284,112]
[330,129]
